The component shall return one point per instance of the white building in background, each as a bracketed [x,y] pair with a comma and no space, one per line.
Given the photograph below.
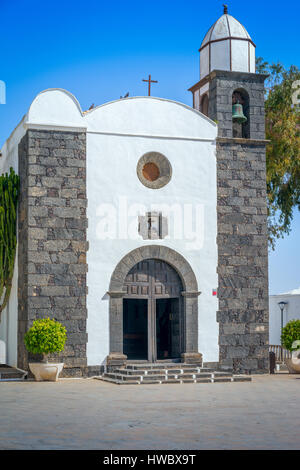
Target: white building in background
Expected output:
[291,312]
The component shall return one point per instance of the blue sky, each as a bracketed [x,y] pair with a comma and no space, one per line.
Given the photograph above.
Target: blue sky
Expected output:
[100,50]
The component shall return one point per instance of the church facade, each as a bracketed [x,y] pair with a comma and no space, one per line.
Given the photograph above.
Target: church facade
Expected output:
[142,223]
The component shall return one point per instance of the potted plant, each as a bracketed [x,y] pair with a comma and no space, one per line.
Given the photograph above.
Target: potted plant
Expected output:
[46,336]
[290,340]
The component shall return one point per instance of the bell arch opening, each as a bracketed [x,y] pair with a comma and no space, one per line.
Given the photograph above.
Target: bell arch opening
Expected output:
[204,105]
[240,114]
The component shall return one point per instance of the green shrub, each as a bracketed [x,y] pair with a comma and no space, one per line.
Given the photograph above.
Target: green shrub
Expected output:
[45,337]
[290,333]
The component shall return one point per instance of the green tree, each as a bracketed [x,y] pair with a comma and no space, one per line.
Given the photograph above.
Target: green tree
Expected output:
[291,335]
[283,151]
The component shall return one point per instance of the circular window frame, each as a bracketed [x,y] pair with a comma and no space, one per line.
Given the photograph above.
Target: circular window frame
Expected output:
[164,166]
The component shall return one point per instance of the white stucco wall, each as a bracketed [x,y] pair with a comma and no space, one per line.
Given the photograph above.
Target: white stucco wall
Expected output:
[252,58]
[118,134]
[240,55]
[176,132]
[204,89]
[291,312]
[241,58]
[220,55]
[9,316]
[9,322]
[204,62]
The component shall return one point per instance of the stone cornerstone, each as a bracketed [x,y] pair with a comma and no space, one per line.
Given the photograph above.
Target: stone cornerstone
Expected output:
[52,240]
[242,226]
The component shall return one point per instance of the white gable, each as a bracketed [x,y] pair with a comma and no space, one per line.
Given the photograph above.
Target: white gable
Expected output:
[151,116]
[134,116]
[55,106]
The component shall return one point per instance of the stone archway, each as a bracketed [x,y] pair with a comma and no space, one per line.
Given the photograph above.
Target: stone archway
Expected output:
[117,292]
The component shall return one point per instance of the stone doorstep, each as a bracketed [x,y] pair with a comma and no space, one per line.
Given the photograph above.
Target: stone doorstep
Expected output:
[148,372]
[172,365]
[148,368]
[218,376]
[147,378]
[161,371]
[169,381]
[222,374]
[118,382]
[241,378]
[175,381]
[222,379]
[169,373]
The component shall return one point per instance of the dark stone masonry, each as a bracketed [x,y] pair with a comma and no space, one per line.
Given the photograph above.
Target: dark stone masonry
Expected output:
[242,257]
[52,240]
[242,226]
[222,84]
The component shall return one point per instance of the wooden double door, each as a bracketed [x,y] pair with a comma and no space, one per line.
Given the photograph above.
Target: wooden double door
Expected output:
[152,312]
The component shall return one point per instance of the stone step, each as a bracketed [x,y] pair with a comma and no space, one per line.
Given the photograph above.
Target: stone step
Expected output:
[139,378]
[218,373]
[152,381]
[192,376]
[8,373]
[161,371]
[161,365]
[214,365]
[171,376]
[169,370]
[222,379]
[201,376]
[183,379]
[118,382]
[241,378]
[147,371]
[149,378]
[201,381]
[172,373]
[122,377]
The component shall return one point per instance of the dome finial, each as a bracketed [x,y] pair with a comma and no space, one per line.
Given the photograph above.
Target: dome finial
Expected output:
[225,9]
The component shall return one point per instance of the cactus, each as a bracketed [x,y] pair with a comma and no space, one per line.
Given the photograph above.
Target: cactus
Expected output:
[9,194]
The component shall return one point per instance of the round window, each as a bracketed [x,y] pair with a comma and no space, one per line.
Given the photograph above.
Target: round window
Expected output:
[151,171]
[154,170]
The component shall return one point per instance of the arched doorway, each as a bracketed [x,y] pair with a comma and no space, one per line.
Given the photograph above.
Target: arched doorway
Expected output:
[204,105]
[188,301]
[152,307]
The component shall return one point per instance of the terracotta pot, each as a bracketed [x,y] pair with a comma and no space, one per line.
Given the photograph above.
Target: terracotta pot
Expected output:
[46,370]
[293,364]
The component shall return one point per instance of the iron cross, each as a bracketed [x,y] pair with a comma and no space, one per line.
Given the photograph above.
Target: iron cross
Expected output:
[149,84]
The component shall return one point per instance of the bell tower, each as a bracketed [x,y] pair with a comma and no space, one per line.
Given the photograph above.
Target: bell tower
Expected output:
[232,94]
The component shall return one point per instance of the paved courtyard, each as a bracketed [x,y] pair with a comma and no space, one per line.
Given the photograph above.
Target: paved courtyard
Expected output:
[90,414]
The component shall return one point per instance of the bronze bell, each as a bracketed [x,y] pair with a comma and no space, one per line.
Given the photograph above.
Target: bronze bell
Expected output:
[237,113]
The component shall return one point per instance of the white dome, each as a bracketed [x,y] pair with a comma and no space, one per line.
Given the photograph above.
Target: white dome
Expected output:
[224,28]
[227,46]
